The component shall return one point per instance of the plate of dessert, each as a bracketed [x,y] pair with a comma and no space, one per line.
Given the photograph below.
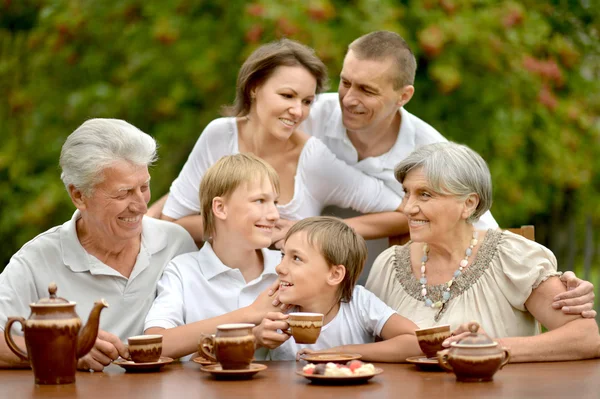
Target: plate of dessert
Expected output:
[353,372]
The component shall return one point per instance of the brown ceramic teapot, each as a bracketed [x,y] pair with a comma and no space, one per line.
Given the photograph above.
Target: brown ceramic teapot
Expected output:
[53,337]
[474,358]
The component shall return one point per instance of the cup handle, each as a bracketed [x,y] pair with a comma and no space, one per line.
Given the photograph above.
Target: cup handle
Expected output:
[506,358]
[287,331]
[9,340]
[443,360]
[207,344]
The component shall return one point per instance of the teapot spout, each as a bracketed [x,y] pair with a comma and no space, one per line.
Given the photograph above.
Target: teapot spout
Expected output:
[87,335]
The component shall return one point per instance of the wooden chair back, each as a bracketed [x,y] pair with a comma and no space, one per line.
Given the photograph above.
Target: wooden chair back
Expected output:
[527,231]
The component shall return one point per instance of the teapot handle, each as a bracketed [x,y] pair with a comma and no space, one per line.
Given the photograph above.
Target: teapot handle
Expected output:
[9,339]
[506,358]
[207,345]
[443,360]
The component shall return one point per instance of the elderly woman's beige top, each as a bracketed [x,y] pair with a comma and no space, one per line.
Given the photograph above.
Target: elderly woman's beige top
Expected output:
[492,291]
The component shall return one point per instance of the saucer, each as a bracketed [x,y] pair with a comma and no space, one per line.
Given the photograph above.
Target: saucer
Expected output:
[339,380]
[132,366]
[425,363]
[203,361]
[217,371]
[331,357]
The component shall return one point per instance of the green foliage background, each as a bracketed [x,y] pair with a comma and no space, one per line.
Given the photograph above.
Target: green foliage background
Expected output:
[518,81]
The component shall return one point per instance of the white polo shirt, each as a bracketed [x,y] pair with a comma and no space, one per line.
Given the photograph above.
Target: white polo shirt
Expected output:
[197,286]
[57,255]
[357,322]
[325,122]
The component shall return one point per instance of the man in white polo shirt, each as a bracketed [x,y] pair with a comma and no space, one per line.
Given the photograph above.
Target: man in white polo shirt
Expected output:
[107,250]
[365,124]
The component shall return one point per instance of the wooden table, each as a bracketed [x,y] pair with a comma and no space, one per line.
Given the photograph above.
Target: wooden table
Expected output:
[183,380]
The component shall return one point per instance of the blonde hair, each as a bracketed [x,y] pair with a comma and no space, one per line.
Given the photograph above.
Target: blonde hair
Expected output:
[339,244]
[227,174]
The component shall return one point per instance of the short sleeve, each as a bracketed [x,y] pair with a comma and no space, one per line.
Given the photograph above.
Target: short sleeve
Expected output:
[373,312]
[380,280]
[333,182]
[215,141]
[520,266]
[17,291]
[168,309]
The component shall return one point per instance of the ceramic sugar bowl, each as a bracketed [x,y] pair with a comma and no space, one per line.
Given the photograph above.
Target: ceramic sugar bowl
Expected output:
[474,358]
[54,337]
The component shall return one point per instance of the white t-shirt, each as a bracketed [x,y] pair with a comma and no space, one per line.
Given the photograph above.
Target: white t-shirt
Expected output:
[57,255]
[357,322]
[321,179]
[197,286]
[326,123]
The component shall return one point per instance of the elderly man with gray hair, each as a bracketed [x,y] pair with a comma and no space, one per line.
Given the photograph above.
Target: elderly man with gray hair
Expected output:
[107,250]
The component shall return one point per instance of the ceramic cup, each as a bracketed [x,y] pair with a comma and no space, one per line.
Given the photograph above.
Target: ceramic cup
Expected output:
[305,327]
[232,346]
[431,339]
[145,348]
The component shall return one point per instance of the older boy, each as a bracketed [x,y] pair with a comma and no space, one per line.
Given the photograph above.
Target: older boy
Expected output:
[227,280]
[323,258]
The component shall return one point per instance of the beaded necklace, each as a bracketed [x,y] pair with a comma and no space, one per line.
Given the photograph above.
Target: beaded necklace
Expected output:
[446,293]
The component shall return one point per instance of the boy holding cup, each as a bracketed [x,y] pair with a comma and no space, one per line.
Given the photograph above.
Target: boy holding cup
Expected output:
[228,280]
[322,260]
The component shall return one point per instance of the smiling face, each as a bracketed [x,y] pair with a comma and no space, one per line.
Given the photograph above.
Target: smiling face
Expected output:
[115,209]
[307,280]
[283,101]
[367,95]
[432,216]
[247,216]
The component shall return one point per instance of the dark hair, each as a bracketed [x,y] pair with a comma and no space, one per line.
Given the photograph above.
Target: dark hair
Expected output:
[261,64]
[382,44]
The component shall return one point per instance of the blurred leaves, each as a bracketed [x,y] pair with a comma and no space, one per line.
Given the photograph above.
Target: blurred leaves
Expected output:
[517,81]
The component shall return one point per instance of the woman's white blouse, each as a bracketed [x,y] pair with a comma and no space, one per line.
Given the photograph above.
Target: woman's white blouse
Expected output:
[321,179]
[492,291]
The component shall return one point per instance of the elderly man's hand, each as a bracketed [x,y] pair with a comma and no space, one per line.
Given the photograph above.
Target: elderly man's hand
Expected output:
[579,297]
[108,347]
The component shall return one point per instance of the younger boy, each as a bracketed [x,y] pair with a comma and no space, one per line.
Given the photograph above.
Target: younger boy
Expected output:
[228,279]
[322,260]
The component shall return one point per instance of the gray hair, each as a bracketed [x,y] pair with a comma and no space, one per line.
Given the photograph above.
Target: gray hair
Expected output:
[452,169]
[96,145]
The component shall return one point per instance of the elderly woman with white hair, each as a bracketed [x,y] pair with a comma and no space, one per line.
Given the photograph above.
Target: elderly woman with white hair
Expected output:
[107,250]
[451,273]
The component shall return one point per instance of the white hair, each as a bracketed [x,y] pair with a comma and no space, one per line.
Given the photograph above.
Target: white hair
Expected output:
[452,169]
[98,144]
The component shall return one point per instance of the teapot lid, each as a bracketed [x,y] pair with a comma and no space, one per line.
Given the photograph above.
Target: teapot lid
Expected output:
[475,339]
[53,299]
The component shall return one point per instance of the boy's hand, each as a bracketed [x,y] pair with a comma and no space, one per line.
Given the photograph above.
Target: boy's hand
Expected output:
[303,351]
[266,332]
[267,302]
